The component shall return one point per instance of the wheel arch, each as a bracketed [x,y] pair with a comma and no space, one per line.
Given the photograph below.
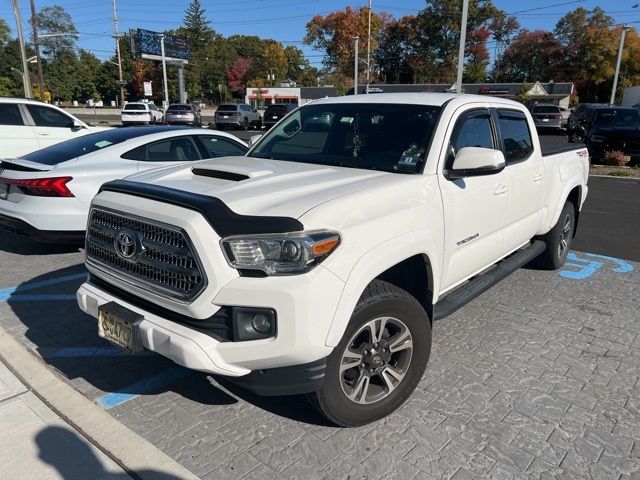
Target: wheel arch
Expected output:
[400,262]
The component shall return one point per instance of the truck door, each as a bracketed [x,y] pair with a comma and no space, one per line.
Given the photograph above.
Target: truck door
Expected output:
[525,173]
[474,207]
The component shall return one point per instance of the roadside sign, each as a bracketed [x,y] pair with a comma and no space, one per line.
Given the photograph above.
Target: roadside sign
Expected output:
[121,82]
[147,89]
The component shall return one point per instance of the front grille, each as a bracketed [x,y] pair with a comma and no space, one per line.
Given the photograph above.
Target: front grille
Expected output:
[167,264]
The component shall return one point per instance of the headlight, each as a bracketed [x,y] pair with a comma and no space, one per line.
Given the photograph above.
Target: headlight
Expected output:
[280,254]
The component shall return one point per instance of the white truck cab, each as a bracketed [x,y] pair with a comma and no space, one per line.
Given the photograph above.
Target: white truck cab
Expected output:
[317,263]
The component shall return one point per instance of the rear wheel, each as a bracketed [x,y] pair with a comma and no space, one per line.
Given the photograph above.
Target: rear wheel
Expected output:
[245,124]
[559,239]
[380,359]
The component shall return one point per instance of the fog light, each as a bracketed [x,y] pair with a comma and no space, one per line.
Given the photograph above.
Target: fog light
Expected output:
[253,323]
[260,323]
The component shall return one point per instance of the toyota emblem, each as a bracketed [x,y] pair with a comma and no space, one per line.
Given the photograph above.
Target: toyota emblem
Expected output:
[127,245]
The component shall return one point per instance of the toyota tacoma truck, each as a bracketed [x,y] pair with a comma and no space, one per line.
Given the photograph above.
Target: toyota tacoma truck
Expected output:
[317,263]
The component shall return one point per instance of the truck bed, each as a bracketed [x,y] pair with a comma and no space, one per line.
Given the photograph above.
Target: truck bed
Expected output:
[553,147]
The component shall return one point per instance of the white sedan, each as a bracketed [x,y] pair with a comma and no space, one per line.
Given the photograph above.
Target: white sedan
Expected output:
[46,195]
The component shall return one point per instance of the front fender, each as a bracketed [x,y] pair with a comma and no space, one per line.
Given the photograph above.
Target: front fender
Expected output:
[375,262]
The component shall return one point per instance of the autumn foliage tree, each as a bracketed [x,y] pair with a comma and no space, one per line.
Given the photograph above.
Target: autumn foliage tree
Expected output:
[238,75]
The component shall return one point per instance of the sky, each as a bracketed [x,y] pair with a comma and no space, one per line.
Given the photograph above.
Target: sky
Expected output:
[282,20]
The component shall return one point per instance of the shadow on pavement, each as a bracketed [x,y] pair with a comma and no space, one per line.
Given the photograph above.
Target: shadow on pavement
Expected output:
[67,339]
[20,245]
[71,456]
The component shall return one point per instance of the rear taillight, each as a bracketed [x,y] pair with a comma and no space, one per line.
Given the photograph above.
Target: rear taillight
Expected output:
[43,187]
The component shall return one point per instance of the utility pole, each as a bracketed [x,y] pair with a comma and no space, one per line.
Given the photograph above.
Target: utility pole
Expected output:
[463,39]
[117,37]
[356,42]
[26,81]
[615,78]
[164,73]
[36,43]
[368,49]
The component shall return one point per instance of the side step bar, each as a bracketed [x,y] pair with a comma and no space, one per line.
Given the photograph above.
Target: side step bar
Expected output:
[480,284]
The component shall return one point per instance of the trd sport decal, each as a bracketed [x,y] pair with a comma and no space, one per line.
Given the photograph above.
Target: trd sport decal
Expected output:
[468,239]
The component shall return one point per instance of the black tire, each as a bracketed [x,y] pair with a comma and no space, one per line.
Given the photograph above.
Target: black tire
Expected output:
[379,300]
[245,124]
[558,240]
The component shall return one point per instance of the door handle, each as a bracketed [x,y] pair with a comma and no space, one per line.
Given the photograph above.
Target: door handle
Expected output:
[44,134]
[538,177]
[500,189]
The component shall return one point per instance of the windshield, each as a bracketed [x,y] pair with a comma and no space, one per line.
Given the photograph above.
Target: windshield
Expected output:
[135,106]
[546,109]
[626,117]
[378,136]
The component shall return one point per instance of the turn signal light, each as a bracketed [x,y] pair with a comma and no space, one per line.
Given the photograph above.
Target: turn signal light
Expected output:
[43,187]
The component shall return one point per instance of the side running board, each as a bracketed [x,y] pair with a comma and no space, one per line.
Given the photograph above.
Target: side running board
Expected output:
[480,284]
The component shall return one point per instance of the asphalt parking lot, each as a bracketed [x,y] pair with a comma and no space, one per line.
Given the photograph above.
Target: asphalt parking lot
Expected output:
[537,378]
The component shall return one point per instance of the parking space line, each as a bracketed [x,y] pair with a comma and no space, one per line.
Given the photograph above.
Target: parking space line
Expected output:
[114,399]
[10,293]
[69,352]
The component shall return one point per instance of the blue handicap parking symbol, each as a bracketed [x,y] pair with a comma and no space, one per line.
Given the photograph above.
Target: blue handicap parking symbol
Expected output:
[580,268]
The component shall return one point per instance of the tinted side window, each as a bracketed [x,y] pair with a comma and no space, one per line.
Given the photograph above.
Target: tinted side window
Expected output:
[10,114]
[473,131]
[221,147]
[173,150]
[516,138]
[139,153]
[48,117]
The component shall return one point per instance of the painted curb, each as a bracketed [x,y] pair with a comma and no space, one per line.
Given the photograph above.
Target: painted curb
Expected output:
[138,457]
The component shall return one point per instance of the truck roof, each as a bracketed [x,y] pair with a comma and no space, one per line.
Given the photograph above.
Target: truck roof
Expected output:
[432,99]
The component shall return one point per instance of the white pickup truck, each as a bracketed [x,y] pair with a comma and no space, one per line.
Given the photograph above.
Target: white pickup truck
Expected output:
[317,263]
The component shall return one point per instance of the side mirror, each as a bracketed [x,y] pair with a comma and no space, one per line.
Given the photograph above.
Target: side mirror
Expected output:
[77,124]
[476,161]
[254,139]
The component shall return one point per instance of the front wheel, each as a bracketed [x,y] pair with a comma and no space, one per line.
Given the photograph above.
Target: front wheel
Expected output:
[380,359]
[559,240]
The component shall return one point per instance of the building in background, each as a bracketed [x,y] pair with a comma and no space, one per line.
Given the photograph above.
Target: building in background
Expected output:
[260,98]
[631,97]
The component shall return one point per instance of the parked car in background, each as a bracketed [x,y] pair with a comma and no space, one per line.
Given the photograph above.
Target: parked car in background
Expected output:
[317,263]
[611,129]
[183,114]
[547,117]
[238,116]
[140,113]
[275,112]
[46,195]
[28,125]
[576,117]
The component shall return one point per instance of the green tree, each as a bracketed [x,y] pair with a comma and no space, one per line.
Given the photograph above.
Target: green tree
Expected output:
[56,20]
[273,61]
[5,32]
[197,28]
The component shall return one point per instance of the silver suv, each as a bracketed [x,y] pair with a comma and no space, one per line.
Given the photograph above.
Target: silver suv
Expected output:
[240,116]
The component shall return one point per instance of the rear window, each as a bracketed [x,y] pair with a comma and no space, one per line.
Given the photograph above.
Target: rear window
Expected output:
[228,108]
[276,109]
[546,109]
[61,152]
[178,108]
[135,107]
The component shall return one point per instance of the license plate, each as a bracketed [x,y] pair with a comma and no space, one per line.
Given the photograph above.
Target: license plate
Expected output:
[545,119]
[120,326]
[4,191]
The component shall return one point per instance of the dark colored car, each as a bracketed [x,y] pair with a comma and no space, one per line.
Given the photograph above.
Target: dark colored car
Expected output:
[612,128]
[275,112]
[183,114]
[238,116]
[547,117]
[578,113]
